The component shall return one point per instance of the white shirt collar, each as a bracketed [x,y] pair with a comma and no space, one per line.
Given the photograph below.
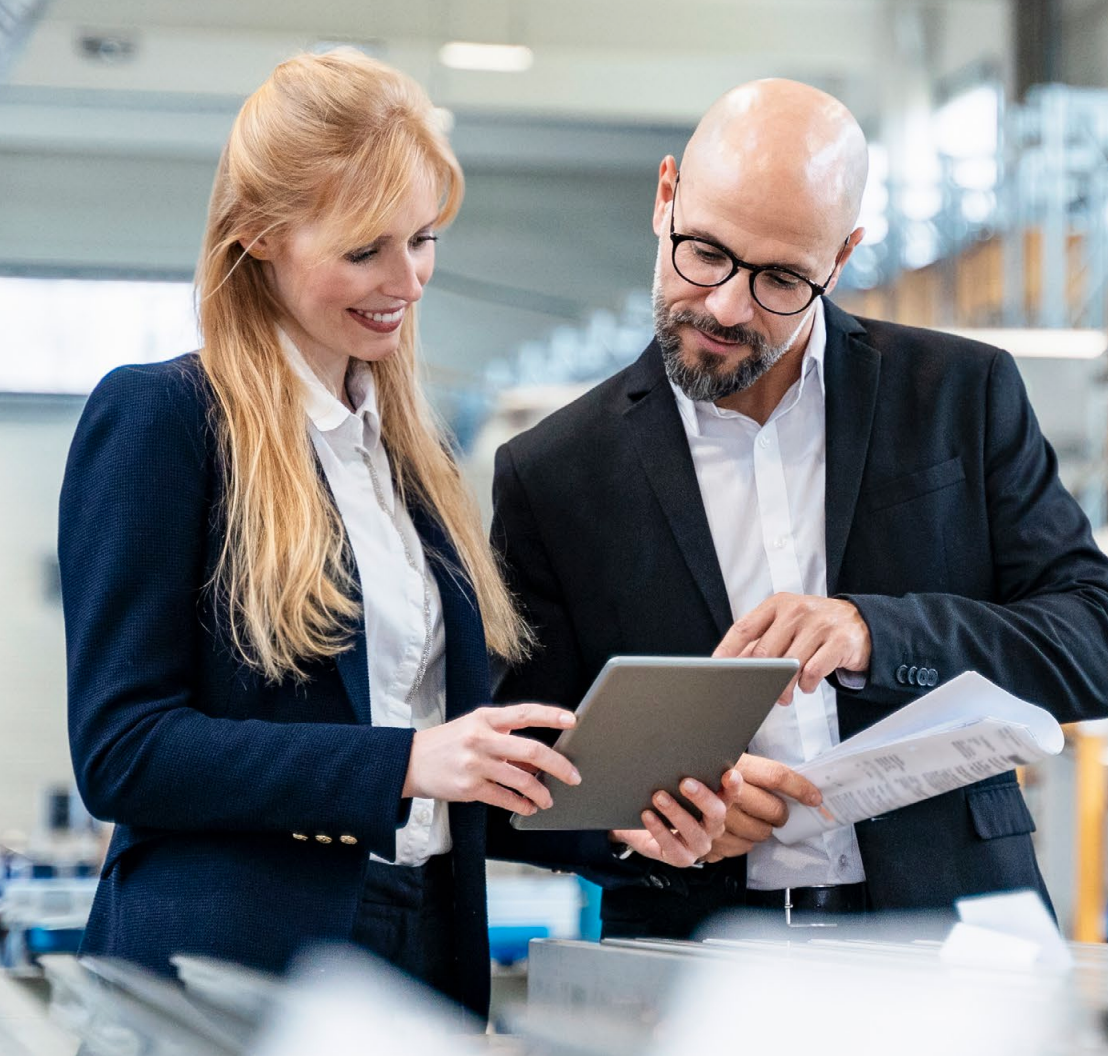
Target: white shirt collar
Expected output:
[812,360]
[325,410]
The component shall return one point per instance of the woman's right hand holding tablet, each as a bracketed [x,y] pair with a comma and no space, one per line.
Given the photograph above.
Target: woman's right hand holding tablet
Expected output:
[477,758]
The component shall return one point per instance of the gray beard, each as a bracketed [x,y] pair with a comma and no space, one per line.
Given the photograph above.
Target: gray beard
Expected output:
[706,380]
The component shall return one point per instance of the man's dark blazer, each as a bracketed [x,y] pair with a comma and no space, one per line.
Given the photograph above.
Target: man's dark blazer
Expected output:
[946,525]
[206,768]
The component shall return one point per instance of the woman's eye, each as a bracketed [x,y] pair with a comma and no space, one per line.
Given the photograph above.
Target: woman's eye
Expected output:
[367,253]
[360,256]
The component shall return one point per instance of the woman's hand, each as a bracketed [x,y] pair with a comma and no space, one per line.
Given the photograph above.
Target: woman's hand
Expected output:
[476,758]
[672,834]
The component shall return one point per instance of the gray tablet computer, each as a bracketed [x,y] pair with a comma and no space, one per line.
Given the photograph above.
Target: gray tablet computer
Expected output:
[649,721]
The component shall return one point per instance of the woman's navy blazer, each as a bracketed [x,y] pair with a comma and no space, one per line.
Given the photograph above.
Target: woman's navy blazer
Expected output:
[207,769]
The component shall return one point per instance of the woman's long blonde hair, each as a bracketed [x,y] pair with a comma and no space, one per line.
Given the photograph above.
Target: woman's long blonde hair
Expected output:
[337,140]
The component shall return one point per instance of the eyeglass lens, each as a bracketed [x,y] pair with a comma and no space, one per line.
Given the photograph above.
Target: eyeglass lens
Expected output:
[706,265]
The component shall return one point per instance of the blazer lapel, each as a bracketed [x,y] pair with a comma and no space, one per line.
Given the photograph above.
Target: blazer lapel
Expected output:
[353,665]
[352,662]
[852,371]
[663,448]
[467,674]
[467,666]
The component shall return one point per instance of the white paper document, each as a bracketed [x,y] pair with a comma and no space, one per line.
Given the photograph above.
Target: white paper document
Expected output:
[1012,930]
[962,732]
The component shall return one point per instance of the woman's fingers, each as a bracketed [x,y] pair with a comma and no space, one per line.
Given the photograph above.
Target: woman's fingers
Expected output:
[520,716]
[498,796]
[536,754]
[525,784]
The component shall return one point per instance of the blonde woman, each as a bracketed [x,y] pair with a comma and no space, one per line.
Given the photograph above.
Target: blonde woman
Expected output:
[277,592]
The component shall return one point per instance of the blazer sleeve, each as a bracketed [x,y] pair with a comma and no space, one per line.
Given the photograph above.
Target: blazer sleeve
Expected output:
[1044,632]
[136,507]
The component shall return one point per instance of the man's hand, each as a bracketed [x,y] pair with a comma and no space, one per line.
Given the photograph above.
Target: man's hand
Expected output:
[672,834]
[757,806]
[824,634]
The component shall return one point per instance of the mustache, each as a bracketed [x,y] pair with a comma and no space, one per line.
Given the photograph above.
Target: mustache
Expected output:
[711,326]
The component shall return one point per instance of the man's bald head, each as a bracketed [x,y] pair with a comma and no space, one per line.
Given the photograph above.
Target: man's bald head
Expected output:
[771,186]
[788,145]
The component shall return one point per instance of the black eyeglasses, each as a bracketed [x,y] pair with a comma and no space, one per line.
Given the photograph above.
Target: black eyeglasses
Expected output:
[704,263]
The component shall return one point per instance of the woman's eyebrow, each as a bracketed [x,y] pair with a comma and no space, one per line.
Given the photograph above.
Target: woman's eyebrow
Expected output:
[381,239]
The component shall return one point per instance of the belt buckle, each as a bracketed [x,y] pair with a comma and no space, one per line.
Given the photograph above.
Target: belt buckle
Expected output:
[813,924]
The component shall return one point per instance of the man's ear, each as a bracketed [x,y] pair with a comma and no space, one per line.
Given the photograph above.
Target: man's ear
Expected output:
[848,247]
[667,179]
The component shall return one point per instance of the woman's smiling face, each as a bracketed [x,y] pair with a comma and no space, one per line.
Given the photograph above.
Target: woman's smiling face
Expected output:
[338,308]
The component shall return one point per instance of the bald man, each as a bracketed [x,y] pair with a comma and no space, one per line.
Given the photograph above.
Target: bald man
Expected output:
[775,478]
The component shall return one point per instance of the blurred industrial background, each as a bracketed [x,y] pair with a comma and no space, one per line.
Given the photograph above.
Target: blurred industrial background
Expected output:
[987,208]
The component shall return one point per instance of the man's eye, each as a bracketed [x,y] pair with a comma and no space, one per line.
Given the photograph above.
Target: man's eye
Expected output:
[708,254]
[781,280]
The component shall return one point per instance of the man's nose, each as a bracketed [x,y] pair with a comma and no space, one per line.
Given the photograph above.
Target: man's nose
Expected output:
[732,303]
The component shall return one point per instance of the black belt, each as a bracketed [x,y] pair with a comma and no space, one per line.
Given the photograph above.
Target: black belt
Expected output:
[829,899]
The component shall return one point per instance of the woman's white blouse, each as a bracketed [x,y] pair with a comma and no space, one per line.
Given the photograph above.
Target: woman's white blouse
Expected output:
[393,592]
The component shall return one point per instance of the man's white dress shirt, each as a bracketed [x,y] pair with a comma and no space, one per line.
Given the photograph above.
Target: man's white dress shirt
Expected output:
[393,593]
[763,490]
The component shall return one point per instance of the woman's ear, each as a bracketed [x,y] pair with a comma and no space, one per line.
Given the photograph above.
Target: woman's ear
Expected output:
[260,248]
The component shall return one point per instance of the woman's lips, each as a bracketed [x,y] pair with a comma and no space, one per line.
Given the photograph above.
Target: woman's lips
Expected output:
[378,322]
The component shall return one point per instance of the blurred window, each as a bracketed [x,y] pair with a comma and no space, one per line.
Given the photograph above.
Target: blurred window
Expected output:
[63,335]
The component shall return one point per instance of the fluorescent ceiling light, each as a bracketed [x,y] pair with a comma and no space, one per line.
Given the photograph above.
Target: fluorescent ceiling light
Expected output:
[497,58]
[1044,343]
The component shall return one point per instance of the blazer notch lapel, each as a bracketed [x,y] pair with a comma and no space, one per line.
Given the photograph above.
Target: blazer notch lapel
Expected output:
[663,450]
[853,371]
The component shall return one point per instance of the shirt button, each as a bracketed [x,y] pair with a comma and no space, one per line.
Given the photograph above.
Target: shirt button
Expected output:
[779,542]
[422,816]
[763,441]
[842,861]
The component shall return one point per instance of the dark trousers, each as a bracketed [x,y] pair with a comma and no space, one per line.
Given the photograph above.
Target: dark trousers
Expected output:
[675,905]
[406,916]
